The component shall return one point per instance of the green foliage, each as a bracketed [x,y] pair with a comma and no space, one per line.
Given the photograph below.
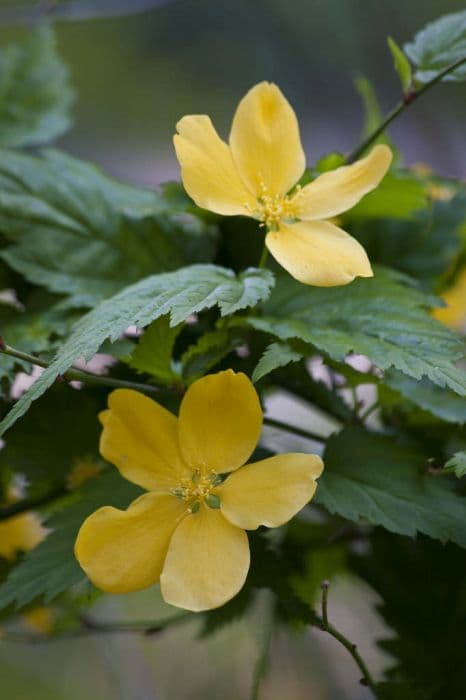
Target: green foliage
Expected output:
[35,94]
[442,403]
[181,293]
[153,353]
[399,196]
[51,568]
[96,235]
[437,46]
[371,478]
[276,355]
[457,464]
[421,585]
[401,64]
[384,318]
[208,351]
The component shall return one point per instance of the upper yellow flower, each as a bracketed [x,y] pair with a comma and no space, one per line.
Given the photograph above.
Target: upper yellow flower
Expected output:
[188,531]
[256,175]
[454,313]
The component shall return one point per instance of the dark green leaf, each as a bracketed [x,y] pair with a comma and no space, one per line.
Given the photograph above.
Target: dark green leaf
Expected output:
[96,235]
[35,94]
[181,293]
[437,46]
[209,350]
[276,355]
[370,477]
[153,353]
[51,568]
[441,403]
[383,318]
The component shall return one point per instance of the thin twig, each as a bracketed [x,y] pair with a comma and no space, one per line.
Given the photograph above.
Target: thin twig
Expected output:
[90,627]
[370,409]
[79,375]
[408,98]
[31,503]
[366,679]
[274,423]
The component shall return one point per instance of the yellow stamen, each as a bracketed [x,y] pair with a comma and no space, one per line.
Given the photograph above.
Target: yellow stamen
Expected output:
[196,489]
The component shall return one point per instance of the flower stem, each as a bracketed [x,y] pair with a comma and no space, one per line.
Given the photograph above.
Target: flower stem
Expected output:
[263,258]
[274,423]
[79,375]
[407,99]
[366,679]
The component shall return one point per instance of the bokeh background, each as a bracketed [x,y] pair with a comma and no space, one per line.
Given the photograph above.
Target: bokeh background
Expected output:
[135,76]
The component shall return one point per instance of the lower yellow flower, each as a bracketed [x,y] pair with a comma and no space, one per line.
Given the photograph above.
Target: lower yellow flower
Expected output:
[188,532]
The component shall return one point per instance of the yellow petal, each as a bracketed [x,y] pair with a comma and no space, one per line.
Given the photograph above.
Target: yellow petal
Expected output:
[220,422]
[123,551]
[207,169]
[340,189]
[207,562]
[140,438]
[269,492]
[265,141]
[21,533]
[454,314]
[319,253]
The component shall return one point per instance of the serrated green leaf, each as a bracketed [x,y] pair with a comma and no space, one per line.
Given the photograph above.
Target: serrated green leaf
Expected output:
[96,235]
[371,478]
[401,64]
[35,93]
[384,318]
[439,402]
[208,351]
[437,46]
[153,353]
[60,429]
[181,293]
[51,567]
[457,464]
[276,355]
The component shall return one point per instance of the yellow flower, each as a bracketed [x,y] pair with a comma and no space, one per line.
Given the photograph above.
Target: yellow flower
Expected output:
[256,175]
[188,532]
[20,533]
[454,314]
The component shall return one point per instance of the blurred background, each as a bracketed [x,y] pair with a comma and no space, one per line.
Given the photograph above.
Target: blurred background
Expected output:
[135,75]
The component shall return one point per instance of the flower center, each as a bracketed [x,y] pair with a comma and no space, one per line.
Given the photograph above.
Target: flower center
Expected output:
[199,488]
[274,208]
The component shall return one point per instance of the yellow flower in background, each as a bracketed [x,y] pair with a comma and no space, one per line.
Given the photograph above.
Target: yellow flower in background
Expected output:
[188,532]
[256,175]
[20,533]
[454,314]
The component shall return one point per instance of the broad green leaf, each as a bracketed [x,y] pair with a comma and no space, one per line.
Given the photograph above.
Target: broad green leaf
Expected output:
[401,64]
[457,464]
[276,355]
[384,318]
[424,246]
[369,477]
[96,235]
[51,568]
[153,353]
[181,293]
[35,94]
[60,430]
[420,588]
[437,46]
[399,196]
[439,402]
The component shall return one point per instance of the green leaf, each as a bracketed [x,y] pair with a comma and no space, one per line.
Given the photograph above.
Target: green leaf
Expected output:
[425,245]
[153,353]
[437,46]
[51,567]
[457,464]
[35,94]
[96,235]
[399,196]
[439,402]
[401,64]
[276,355]
[384,318]
[207,352]
[60,429]
[181,293]
[370,477]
